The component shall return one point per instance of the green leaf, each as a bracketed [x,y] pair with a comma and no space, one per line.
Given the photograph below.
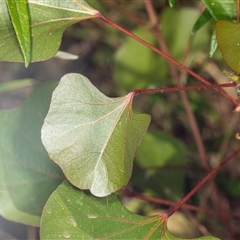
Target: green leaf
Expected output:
[213,45]
[93,138]
[73,214]
[18,11]
[228,38]
[27,175]
[220,9]
[202,20]
[49,19]
[171,2]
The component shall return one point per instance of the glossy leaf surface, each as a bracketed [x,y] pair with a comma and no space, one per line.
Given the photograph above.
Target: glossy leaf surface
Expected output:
[93,138]
[220,9]
[228,38]
[48,20]
[27,175]
[73,214]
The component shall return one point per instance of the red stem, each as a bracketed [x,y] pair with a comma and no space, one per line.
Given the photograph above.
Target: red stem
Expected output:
[129,193]
[183,88]
[105,19]
[200,184]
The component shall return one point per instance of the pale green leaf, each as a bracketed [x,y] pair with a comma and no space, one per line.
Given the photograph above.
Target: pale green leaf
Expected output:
[27,175]
[73,214]
[48,19]
[93,138]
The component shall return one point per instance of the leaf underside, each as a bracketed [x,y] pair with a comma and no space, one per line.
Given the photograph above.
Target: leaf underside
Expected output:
[93,138]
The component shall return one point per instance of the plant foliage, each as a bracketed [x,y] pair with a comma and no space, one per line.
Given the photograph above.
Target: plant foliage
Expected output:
[93,138]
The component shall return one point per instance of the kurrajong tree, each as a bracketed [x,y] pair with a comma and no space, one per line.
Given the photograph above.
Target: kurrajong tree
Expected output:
[82,165]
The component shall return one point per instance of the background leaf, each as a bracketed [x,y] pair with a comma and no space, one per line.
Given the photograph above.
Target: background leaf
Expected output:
[18,10]
[228,38]
[74,214]
[27,176]
[154,69]
[157,154]
[48,20]
[93,138]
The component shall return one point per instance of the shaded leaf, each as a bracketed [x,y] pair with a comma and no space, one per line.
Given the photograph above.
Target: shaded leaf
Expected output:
[18,11]
[228,38]
[220,9]
[48,20]
[158,154]
[93,138]
[74,214]
[27,175]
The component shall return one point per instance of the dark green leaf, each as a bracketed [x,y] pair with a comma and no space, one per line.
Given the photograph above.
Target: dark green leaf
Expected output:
[48,20]
[202,20]
[27,175]
[73,214]
[18,11]
[93,138]
[220,9]
[228,38]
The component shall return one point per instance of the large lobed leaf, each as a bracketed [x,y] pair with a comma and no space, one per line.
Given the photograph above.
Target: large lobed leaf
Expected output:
[27,175]
[73,214]
[48,21]
[93,138]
